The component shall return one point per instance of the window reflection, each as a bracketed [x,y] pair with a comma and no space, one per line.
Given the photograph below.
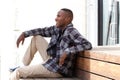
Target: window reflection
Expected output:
[111,22]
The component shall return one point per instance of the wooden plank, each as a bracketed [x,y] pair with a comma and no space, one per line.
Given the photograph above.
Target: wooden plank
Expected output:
[83,75]
[109,54]
[100,67]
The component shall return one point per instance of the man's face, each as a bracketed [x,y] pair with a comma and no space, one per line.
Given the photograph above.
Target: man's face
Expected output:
[61,19]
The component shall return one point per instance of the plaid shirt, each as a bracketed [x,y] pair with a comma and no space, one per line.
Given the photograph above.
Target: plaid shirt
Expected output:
[69,41]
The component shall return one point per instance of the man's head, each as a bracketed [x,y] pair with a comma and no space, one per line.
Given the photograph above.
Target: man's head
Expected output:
[64,17]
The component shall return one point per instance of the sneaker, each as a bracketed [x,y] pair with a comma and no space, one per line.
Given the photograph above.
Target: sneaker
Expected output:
[13,69]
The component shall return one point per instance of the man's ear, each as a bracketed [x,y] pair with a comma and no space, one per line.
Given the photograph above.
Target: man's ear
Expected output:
[68,19]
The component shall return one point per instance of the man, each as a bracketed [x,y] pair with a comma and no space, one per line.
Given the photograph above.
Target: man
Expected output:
[58,55]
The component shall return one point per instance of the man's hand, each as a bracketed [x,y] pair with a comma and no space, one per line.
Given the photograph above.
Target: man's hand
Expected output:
[62,59]
[20,39]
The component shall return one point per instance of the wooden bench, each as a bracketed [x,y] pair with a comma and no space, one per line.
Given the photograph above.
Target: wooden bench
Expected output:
[100,63]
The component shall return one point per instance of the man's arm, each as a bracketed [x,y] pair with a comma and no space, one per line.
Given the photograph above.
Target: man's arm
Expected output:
[79,43]
[46,32]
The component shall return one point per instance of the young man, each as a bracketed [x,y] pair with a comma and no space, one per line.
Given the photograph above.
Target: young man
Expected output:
[58,55]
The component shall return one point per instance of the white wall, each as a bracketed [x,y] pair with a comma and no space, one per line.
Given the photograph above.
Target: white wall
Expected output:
[92,21]
[7,12]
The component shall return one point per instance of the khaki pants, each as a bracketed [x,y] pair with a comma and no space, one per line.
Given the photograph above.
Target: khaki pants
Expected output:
[38,43]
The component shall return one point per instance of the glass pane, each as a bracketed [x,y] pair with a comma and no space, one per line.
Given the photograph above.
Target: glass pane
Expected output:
[110,22]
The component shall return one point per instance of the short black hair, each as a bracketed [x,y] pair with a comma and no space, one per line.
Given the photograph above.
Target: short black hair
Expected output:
[68,11]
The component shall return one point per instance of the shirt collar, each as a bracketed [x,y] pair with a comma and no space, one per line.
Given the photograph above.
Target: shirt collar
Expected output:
[69,25]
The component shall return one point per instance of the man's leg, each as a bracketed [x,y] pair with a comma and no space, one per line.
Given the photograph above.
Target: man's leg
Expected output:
[41,45]
[32,71]
[38,43]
